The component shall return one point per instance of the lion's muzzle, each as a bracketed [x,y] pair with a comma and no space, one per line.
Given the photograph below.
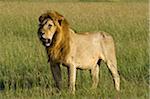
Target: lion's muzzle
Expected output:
[46,42]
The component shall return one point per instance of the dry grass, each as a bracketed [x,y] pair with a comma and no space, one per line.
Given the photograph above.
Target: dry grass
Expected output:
[24,71]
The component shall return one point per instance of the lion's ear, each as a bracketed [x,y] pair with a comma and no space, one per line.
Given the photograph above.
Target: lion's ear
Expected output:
[60,22]
[59,17]
[41,18]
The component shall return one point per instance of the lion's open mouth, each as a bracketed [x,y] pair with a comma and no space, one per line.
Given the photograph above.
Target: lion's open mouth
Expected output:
[46,42]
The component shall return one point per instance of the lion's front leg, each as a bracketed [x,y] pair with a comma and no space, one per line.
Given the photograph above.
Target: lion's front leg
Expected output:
[56,72]
[72,78]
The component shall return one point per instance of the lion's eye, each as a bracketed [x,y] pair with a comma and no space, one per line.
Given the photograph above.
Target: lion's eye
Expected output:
[49,26]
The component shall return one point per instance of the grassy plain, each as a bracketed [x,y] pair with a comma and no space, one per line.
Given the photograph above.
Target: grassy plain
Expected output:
[25,73]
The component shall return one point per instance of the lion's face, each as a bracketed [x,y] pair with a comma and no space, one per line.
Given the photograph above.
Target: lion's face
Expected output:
[47,29]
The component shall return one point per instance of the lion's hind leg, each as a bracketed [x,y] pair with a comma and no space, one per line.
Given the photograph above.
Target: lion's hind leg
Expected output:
[113,69]
[110,58]
[112,66]
[95,76]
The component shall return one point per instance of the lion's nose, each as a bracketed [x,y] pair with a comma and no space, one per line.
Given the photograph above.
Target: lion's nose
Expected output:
[49,40]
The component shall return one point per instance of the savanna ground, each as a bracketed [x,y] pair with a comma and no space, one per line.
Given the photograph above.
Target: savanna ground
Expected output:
[25,73]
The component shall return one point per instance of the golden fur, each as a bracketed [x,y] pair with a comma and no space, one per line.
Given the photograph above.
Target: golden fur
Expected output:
[84,50]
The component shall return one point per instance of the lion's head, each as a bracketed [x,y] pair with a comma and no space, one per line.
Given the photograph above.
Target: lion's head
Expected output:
[50,23]
[54,33]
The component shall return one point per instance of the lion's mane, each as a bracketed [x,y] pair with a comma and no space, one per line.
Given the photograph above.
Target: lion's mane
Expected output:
[59,48]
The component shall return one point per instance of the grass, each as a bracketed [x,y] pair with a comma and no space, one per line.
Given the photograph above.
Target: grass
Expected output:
[25,73]
[77,0]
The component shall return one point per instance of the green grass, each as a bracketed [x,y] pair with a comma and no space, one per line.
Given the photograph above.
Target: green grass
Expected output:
[24,70]
[77,0]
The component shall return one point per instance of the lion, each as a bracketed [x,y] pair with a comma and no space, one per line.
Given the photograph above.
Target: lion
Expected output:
[76,50]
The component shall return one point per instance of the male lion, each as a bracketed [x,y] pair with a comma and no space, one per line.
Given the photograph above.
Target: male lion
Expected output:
[83,50]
